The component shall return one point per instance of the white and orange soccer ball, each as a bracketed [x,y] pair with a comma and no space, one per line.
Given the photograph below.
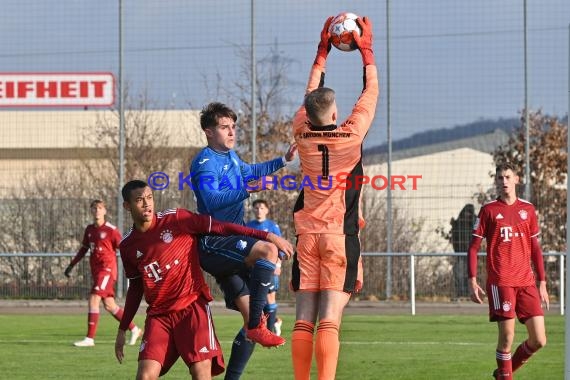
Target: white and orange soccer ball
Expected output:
[341,31]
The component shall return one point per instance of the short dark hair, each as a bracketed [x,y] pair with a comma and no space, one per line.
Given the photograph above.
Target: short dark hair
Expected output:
[212,112]
[96,202]
[260,201]
[317,102]
[130,186]
[504,166]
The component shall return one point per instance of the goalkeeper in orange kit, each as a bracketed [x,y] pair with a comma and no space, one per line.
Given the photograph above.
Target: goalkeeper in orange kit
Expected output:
[326,268]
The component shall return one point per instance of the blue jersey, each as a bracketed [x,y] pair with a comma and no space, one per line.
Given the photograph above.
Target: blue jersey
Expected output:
[219,179]
[267,225]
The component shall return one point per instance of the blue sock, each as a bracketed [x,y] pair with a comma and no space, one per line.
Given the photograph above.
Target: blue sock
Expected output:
[261,280]
[241,352]
[271,310]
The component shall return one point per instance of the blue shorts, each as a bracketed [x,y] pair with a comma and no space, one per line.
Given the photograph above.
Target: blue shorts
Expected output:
[224,258]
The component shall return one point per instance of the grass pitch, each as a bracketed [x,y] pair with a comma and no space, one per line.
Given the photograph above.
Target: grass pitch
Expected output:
[372,347]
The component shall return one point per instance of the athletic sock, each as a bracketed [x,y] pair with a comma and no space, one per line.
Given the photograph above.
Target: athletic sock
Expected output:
[118,315]
[271,311]
[92,322]
[261,279]
[504,365]
[326,349]
[522,354]
[242,349]
[302,349]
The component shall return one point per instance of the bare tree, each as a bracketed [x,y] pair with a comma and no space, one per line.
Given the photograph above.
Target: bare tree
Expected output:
[147,140]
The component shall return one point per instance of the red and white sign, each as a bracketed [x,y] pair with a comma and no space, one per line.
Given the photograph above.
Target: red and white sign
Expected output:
[56,89]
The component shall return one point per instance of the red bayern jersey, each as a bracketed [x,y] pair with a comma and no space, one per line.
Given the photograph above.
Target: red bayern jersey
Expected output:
[508,230]
[166,256]
[103,242]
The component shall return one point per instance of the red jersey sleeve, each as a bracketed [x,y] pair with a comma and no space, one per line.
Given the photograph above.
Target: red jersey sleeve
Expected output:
[198,224]
[193,224]
[480,225]
[132,302]
[475,243]
[82,250]
[128,257]
[224,228]
[534,228]
[536,251]
[116,238]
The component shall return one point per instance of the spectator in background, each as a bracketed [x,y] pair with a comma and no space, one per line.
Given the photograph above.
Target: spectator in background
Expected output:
[461,229]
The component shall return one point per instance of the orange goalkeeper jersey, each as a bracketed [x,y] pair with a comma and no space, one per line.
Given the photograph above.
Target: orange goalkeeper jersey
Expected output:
[329,154]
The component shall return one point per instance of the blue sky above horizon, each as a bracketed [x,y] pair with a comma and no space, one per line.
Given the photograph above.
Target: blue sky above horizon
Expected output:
[451,63]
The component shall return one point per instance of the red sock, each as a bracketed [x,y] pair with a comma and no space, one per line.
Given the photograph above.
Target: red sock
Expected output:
[522,354]
[326,349]
[504,366]
[302,349]
[118,314]
[92,322]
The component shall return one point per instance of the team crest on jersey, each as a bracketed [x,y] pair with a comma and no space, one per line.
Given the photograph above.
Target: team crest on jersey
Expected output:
[166,236]
[241,245]
[102,235]
[523,214]
[506,306]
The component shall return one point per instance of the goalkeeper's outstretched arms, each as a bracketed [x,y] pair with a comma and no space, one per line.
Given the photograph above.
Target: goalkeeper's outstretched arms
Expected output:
[364,41]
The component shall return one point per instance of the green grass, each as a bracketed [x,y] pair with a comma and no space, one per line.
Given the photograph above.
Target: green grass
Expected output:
[373,347]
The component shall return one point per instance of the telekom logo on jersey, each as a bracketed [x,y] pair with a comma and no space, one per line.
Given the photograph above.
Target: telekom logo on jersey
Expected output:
[153,270]
[507,233]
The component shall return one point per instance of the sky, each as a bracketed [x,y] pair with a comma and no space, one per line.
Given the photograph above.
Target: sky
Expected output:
[450,62]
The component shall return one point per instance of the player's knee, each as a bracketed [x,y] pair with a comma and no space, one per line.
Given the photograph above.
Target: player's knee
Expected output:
[538,343]
[267,251]
[506,341]
[109,306]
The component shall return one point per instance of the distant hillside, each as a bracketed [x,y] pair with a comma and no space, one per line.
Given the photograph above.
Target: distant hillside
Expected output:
[447,134]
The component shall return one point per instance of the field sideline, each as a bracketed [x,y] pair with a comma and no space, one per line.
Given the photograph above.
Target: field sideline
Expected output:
[373,346]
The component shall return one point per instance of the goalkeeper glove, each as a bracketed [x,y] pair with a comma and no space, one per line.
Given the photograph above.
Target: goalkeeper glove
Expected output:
[68,271]
[364,41]
[325,44]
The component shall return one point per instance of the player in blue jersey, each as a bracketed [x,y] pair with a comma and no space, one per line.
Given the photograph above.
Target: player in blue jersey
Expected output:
[261,210]
[242,266]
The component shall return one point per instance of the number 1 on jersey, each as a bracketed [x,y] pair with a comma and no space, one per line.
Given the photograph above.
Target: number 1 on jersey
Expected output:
[325,156]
